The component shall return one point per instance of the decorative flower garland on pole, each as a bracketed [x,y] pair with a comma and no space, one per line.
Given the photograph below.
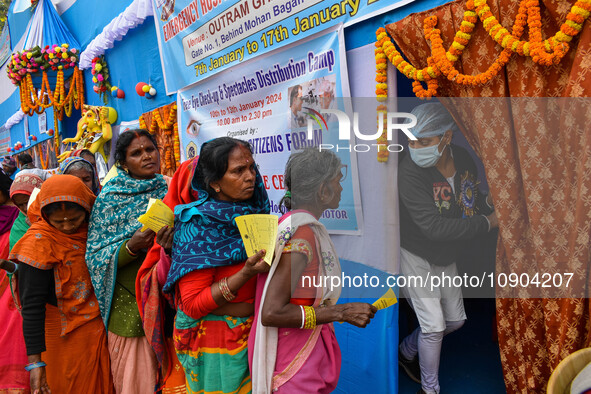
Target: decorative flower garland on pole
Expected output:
[44,162]
[169,128]
[440,63]
[39,59]
[100,76]
[177,144]
[57,58]
[382,96]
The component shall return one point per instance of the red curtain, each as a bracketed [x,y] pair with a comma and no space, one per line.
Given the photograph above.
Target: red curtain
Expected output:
[531,127]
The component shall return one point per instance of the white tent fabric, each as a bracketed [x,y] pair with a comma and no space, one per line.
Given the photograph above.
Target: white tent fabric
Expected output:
[133,16]
[21,5]
[35,33]
[14,119]
[60,5]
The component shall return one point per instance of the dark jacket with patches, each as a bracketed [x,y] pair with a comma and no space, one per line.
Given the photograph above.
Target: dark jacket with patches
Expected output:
[435,223]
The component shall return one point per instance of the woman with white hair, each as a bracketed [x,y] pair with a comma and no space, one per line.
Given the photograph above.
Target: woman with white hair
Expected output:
[293,347]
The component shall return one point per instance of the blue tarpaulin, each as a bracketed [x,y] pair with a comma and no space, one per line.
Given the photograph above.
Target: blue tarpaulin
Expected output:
[369,355]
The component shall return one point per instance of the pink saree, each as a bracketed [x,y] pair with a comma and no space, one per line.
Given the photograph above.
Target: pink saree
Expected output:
[305,361]
[13,357]
[308,361]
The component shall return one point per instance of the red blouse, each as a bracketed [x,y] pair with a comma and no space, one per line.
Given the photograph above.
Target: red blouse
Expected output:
[303,241]
[194,290]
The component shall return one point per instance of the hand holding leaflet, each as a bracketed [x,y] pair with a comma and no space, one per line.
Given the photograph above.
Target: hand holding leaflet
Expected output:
[157,216]
[258,232]
[387,300]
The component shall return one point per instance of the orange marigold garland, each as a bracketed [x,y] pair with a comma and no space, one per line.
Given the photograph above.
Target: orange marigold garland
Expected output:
[33,100]
[168,126]
[177,144]
[382,95]
[143,123]
[56,129]
[44,162]
[170,121]
[441,62]
[544,52]
[382,140]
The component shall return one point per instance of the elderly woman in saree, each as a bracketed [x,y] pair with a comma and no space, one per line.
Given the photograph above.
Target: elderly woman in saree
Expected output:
[294,344]
[211,279]
[65,337]
[82,169]
[89,157]
[116,249]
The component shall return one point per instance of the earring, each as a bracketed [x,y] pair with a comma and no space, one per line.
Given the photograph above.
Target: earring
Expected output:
[217,189]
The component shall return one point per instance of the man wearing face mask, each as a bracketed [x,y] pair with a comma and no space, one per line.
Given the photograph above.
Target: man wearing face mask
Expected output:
[441,209]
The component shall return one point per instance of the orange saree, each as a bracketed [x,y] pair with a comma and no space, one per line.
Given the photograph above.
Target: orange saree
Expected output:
[76,352]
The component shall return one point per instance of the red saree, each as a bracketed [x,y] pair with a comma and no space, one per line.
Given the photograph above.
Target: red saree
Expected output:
[148,289]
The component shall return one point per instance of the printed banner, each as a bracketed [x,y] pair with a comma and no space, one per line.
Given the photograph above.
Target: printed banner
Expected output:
[199,38]
[5,49]
[4,140]
[128,125]
[268,102]
[27,132]
[42,119]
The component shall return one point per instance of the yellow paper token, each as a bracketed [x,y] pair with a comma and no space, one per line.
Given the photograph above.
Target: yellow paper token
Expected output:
[258,232]
[157,216]
[387,300]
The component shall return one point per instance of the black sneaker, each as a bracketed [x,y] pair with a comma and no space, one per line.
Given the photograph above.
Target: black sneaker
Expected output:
[411,367]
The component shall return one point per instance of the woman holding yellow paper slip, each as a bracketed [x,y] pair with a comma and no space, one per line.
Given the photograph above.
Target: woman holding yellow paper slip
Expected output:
[210,279]
[157,315]
[115,251]
[293,344]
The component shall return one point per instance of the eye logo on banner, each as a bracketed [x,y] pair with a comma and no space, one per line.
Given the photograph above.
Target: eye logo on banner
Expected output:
[193,128]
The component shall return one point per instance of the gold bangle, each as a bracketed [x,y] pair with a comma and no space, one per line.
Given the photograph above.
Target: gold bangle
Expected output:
[310,313]
[129,251]
[225,289]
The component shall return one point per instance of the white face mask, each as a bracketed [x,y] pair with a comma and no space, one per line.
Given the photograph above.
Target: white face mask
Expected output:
[427,156]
